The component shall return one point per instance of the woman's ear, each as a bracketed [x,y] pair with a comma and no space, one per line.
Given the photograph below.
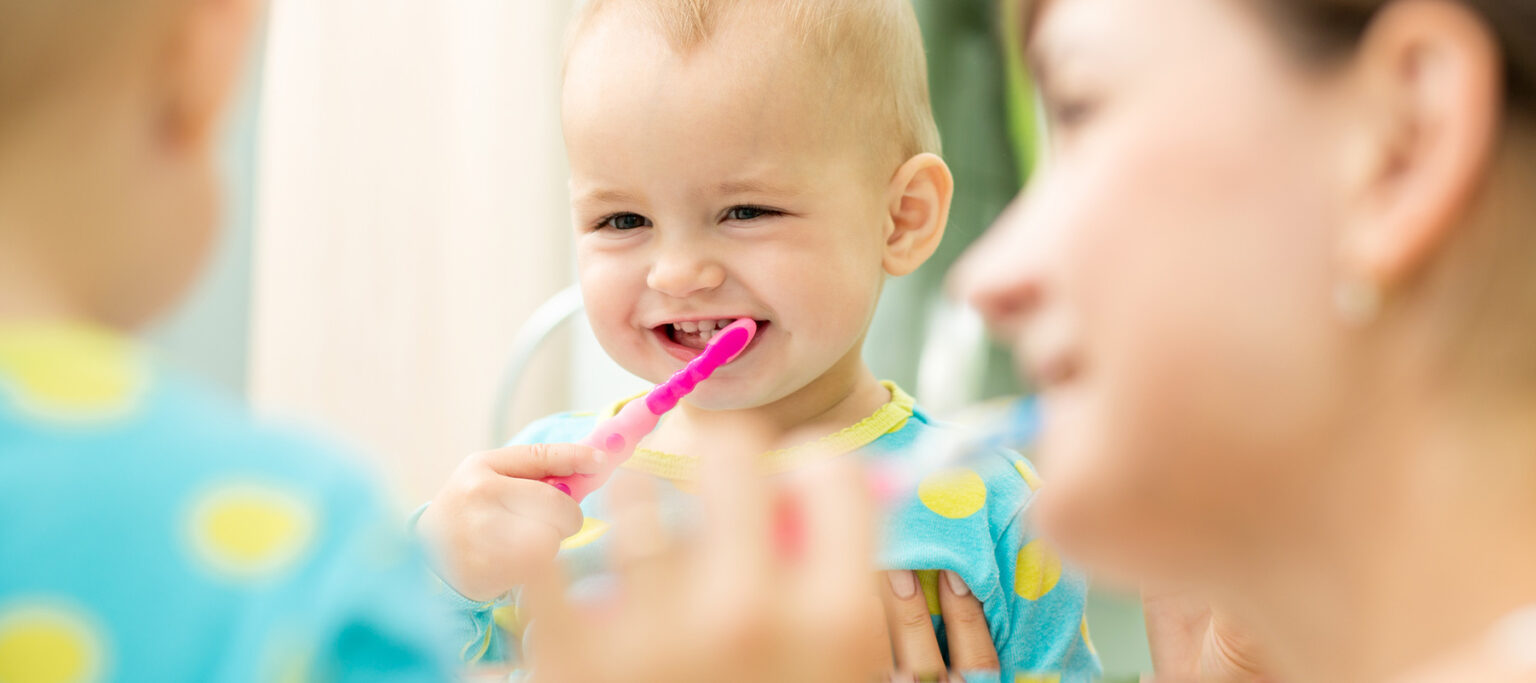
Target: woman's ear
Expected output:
[918,202]
[204,53]
[1429,72]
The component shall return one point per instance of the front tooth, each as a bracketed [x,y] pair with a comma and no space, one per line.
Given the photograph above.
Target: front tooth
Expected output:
[706,326]
[707,335]
[722,324]
[689,326]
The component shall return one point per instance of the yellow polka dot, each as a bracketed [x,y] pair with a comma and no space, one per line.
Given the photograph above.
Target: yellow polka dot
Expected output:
[1038,571]
[251,530]
[71,372]
[955,494]
[1037,678]
[929,580]
[48,644]
[591,530]
[1030,478]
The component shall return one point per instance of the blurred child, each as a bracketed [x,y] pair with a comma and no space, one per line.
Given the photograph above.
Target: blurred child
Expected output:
[774,161]
[150,531]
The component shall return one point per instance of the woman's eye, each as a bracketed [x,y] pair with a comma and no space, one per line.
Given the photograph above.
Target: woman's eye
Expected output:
[1068,114]
[747,213]
[625,221]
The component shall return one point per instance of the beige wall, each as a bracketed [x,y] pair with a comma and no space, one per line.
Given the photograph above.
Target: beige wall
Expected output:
[411,210]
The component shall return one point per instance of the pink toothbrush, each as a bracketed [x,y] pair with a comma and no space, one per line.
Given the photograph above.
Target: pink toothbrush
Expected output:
[616,437]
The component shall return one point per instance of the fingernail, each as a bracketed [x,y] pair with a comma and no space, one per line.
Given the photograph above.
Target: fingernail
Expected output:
[599,458]
[903,583]
[956,584]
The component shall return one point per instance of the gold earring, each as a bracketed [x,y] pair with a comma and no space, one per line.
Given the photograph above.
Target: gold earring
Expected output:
[1357,300]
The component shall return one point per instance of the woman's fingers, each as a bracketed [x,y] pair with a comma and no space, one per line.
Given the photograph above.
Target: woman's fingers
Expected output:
[552,633]
[835,525]
[737,528]
[642,550]
[965,625]
[912,638]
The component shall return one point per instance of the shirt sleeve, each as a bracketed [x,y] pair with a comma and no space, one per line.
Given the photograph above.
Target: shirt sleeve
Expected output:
[1043,599]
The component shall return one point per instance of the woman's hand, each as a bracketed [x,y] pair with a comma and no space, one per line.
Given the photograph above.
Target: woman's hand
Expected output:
[734,606]
[1192,641]
[912,639]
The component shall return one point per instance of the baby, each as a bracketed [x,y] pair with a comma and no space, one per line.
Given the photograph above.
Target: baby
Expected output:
[151,531]
[777,161]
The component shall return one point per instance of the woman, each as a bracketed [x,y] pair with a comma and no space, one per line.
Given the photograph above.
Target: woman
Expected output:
[1276,286]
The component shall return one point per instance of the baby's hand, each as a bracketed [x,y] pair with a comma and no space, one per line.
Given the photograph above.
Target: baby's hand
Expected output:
[495,522]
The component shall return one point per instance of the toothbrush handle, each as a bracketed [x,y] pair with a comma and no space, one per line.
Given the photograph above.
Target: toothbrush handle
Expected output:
[616,438]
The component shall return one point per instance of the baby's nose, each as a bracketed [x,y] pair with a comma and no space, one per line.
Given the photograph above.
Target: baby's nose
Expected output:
[679,273]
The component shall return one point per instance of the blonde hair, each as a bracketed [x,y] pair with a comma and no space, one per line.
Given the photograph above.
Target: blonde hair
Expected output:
[873,50]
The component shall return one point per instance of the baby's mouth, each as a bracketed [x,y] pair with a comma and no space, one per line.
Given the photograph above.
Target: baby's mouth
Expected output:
[685,340]
[695,334]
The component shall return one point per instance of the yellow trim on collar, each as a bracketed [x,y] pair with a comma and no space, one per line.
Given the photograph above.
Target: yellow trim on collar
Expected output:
[886,419]
[70,371]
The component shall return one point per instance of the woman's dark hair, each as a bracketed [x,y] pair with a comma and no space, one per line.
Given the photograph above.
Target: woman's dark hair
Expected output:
[1324,29]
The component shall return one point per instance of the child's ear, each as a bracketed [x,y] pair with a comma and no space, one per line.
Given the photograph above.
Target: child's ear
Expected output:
[918,201]
[204,58]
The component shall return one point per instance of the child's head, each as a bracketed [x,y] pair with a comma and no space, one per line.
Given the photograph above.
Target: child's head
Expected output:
[108,110]
[744,158]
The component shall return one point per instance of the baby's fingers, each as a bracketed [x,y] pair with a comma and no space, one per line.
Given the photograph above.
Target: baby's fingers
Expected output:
[540,460]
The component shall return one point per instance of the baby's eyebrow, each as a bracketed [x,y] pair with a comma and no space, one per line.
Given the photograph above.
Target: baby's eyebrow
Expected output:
[735,187]
[606,196]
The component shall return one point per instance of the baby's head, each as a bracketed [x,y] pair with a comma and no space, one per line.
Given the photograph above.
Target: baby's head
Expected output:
[108,113]
[771,159]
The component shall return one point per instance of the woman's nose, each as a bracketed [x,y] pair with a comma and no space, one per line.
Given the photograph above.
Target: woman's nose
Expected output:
[1001,275]
[680,270]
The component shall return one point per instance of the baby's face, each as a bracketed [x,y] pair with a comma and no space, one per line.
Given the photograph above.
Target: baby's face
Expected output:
[711,187]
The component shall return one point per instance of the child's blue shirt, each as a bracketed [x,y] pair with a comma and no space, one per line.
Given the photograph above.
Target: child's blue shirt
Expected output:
[149,531]
[969,519]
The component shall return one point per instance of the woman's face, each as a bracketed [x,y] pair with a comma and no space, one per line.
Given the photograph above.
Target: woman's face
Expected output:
[1167,280]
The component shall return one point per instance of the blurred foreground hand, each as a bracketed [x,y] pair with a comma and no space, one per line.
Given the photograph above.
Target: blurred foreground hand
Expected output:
[740,602]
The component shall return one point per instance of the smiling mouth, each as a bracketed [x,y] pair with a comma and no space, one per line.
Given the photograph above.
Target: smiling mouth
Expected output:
[685,339]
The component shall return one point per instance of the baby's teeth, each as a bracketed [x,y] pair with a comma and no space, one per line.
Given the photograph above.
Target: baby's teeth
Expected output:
[722,324]
[706,335]
[706,326]
[689,326]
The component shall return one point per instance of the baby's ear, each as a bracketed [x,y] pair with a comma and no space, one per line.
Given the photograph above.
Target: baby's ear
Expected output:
[918,201]
[203,60]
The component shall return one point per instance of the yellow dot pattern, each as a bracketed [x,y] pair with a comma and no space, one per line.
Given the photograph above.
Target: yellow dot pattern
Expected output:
[1038,571]
[1030,478]
[70,372]
[1088,640]
[45,644]
[250,531]
[929,580]
[1037,678]
[591,530]
[955,494]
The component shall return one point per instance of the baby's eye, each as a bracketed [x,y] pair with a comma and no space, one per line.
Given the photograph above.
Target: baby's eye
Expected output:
[747,213]
[625,221]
